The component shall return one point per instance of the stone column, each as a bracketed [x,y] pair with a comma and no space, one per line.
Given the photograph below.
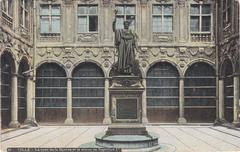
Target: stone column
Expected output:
[14,103]
[144,103]
[33,101]
[69,119]
[236,100]
[181,118]
[29,101]
[221,99]
[107,119]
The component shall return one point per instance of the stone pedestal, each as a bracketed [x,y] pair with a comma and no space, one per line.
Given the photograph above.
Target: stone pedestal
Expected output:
[128,114]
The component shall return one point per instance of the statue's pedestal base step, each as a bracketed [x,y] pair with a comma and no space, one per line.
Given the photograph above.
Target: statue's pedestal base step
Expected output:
[131,136]
[128,129]
[127,141]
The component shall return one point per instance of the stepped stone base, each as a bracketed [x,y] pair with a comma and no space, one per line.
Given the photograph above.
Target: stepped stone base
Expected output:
[128,137]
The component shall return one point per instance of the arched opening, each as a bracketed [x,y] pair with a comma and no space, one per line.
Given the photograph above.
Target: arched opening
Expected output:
[200,93]
[7,68]
[88,93]
[22,91]
[51,93]
[228,90]
[162,93]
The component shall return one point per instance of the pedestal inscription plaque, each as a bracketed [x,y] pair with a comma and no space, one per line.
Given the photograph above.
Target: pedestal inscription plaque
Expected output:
[127,109]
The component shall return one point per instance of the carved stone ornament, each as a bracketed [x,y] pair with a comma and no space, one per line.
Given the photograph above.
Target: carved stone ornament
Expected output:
[155,52]
[126,81]
[158,37]
[194,51]
[171,52]
[181,3]
[86,37]
[106,3]
[49,1]
[87,1]
[162,1]
[125,1]
[208,51]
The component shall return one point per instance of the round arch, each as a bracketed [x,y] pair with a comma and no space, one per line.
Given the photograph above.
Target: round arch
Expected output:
[198,61]
[88,93]
[51,93]
[88,61]
[227,71]
[165,61]
[162,92]
[200,92]
[54,62]
[8,68]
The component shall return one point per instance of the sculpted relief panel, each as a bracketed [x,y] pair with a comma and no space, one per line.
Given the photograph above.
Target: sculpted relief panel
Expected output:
[17,48]
[106,56]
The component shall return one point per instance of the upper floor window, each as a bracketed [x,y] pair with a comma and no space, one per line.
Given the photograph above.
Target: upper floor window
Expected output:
[50,19]
[162,18]
[24,13]
[87,18]
[200,18]
[7,7]
[226,12]
[126,12]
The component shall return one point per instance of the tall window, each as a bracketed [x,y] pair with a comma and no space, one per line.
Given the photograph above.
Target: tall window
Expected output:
[7,7]
[24,15]
[50,19]
[200,18]
[162,20]
[87,18]
[126,12]
[226,12]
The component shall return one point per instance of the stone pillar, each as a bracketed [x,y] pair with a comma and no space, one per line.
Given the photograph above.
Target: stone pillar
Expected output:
[144,37]
[69,119]
[29,101]
[181,118]
[236,100]
[182,20]
[107,119]
[14,103]
[107,20]
[144,103]
[33,101]
[221,99]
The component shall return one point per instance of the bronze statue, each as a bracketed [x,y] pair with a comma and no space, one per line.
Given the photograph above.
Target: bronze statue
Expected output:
[126,44]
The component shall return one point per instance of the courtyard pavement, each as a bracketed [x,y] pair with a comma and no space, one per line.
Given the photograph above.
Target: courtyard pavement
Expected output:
[181,138]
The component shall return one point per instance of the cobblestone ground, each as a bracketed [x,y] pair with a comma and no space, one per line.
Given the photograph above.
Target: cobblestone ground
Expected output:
[182,138]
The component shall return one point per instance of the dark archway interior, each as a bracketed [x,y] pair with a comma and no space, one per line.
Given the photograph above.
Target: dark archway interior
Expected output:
[7,68]
[88,93]
[51,93]
[200,93]
[22,91]
[162,93]
[228,90]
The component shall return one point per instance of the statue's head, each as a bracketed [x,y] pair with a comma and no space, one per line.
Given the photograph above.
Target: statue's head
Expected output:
[126,24]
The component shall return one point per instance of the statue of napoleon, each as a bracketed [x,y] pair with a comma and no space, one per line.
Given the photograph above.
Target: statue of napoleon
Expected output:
[126,46]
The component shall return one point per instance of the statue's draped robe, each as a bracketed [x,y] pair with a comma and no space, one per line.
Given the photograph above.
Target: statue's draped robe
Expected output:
[125,45]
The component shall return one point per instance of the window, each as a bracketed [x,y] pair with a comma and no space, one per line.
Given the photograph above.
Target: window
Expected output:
[162,20]
[24,15]
[7,7]
[87,18]
[226,12]
[126,12]
[50,19]
[200,15]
